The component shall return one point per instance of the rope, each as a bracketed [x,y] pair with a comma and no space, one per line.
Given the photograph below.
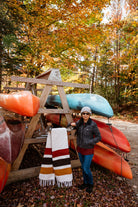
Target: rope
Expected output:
[110,127]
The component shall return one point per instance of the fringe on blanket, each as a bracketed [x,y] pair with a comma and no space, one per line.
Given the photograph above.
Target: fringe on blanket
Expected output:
[44,183]
[64,184]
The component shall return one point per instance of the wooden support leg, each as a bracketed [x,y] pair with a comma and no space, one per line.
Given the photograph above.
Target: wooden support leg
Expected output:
[31,129]
[29,134]
[23,174]
[65,103]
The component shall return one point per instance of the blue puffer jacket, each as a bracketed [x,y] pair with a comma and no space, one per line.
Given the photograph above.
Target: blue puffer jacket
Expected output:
[87,134]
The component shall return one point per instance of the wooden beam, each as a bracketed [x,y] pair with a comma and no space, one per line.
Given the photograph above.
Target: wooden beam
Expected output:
[71,137]
[45,75]
[23,174]
[35,140]
[21,89]
[38,140]
[64,103]
[53,111]
[48,82]
[15,88]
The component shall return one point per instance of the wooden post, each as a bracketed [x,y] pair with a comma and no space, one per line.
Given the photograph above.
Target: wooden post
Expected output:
[64,103]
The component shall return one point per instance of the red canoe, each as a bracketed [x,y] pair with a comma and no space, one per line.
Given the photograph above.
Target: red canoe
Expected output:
[23,103]
[4,173]
[12,133]
[110,135]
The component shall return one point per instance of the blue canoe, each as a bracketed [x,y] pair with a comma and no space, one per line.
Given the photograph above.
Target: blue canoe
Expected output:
[98,104]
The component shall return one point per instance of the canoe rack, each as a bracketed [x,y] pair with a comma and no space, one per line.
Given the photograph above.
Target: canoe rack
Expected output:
[49,79]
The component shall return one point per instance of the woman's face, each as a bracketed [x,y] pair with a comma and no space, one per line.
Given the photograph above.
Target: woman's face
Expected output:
[85,116]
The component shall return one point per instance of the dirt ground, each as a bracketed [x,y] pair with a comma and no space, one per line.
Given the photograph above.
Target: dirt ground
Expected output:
[130,129]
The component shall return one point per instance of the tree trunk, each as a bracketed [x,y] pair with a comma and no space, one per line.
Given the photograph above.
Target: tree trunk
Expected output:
[93,73]
[117,69]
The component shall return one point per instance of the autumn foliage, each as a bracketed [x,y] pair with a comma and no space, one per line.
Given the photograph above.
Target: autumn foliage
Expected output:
[70,35]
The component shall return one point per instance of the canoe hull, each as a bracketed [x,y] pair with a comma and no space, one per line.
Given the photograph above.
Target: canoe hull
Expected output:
[4,173]
[113,136]
[110,135]
[98,104]
[23,103]
[12,133]
[109,159]
[103,155]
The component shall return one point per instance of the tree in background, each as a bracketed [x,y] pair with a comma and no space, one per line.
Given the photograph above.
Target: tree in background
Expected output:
[129,59]
[116,65]
[6,30]
[10,45]
[56,32]
[70,35]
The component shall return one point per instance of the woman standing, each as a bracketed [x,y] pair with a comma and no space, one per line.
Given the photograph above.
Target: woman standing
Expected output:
[87,136]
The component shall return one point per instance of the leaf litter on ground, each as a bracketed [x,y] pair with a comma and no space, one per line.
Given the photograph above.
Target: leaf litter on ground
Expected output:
[110,190]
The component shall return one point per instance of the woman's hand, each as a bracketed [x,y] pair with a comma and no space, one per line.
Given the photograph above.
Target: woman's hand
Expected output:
[73,124]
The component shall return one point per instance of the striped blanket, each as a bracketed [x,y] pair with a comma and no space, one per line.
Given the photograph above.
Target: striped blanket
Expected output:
[56,164]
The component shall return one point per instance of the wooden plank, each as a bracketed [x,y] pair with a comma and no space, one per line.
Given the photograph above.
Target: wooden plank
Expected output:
[42,110]
[75,163]
[23,174]
[48,82]
[44,95]
[71,137]
[28,86]
[64,103]
[21,89]
[74,141]
[53,111]
[15,88]
[34,140]
[45,74]
[41,140]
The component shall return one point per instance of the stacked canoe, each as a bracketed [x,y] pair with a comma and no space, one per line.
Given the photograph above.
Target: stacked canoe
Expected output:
[98,104]
[12,131]
[24,103]
[103,155]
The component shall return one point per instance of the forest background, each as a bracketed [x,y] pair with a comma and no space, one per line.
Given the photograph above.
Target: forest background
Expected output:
[73,36]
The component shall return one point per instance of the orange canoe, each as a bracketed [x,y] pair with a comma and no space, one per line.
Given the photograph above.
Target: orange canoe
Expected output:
[110,134]
[4,173]
[23,103]
[109,159]
[12,133]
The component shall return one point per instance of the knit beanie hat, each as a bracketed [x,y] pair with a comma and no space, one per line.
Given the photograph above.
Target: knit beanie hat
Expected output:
[86,109]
